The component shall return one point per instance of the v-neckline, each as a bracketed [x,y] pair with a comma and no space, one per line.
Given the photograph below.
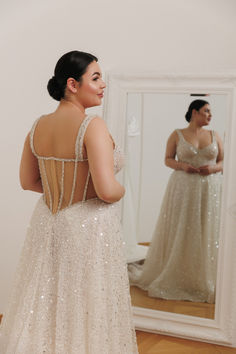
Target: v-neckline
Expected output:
[199,149]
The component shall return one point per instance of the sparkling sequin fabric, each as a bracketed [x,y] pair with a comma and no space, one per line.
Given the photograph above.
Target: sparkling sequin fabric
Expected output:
[71,290]
[182,259]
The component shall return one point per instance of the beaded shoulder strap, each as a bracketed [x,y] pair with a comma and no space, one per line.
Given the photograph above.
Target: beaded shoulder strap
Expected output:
[80,137]
[213,136]
[32,136]
[79,149]
[180,135]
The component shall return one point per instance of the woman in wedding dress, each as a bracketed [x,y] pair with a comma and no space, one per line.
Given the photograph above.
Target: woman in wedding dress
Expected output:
[181,261]
[71,290]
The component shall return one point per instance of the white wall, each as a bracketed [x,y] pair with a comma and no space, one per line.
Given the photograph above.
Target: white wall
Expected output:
[146,35]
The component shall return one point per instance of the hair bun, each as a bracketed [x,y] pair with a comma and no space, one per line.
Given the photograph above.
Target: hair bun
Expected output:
[72,64]
[54,89]
[188,116]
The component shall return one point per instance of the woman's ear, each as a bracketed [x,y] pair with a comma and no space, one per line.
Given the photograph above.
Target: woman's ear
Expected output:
[71,85]
[194,112]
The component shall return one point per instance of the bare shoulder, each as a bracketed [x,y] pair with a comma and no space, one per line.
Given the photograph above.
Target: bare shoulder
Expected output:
[44,118]
[218,139]
[174,133]
[173,136]
[97,123]
[97,128]
[217,135]
[44,121]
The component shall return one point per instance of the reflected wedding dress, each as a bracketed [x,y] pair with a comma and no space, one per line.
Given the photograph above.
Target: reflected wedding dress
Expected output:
[181,262]
[71,291]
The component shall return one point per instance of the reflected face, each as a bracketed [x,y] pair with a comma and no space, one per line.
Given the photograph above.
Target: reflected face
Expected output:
[91,87]
[204,115]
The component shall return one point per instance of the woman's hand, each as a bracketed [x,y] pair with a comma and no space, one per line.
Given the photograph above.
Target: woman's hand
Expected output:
[206,170]
[189,168]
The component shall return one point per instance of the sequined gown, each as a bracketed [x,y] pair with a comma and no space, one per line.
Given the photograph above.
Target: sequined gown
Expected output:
[182,259]
[71,290]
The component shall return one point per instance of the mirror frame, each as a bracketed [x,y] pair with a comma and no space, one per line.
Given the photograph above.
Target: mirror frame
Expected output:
[222,329]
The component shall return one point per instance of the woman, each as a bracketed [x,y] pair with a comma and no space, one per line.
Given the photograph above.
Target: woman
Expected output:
[182,258]
[71,292]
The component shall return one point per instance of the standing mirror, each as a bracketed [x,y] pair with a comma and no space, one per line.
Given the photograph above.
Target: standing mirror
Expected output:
[183,255]
[142,111]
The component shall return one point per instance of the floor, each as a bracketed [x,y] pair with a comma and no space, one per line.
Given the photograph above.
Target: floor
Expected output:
[140,298]
[149,343]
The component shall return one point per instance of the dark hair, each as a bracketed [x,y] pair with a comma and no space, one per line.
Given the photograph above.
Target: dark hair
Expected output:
[72,64]
[197,104]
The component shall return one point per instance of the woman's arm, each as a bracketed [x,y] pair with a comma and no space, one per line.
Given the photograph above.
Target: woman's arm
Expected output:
[220,156]
[29,169]
[218,167]
[99,147]
[170,160]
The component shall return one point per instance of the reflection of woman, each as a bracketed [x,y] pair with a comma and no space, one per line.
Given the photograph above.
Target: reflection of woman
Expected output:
[182,259]
[71,291]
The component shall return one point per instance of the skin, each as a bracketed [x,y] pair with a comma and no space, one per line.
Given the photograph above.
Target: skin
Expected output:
[199,137]
[98,144]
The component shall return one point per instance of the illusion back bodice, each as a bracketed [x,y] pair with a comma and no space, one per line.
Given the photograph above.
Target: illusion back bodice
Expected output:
[186,152]
[66,181]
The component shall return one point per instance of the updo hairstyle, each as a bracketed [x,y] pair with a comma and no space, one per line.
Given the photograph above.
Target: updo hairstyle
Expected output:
[197,104]
[72,64]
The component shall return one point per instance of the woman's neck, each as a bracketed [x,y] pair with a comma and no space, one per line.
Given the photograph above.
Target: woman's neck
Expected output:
[194,128]
[72,103]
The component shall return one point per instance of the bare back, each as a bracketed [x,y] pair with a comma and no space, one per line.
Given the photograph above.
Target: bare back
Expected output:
[57,142]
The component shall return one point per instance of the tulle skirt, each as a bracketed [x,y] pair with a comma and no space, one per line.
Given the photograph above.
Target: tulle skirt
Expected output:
[71,290]
[181,263]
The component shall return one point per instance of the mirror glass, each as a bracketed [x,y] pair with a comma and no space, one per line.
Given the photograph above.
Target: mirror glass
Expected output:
[175,217]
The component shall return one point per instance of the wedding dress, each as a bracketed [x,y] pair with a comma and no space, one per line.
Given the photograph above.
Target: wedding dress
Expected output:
[181,262]
[71,290]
